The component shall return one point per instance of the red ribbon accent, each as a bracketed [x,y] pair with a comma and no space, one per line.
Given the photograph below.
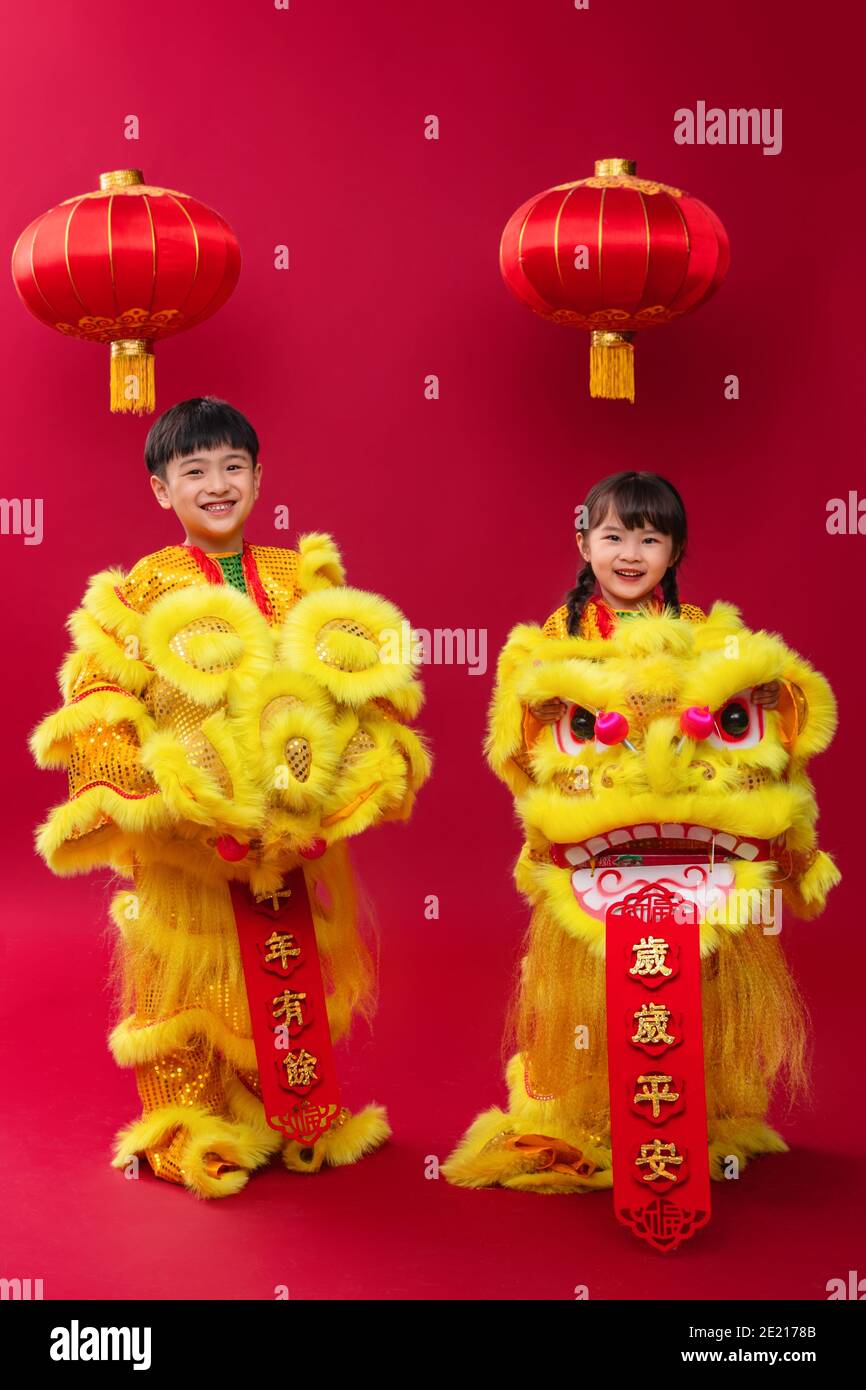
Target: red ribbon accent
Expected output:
[606,617]
[658,1109]
[254,583]
[283,976]
[214,575]
[209,568]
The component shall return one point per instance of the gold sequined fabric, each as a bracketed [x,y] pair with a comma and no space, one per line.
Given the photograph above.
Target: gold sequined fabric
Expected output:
[278,571]
[556,625]
[644,706]
[173,710]
[106,755]
[275,707]
[360,743]
[180,643]
[174,567]
[166,570]
[181,960]
[299,758]
[189,1076]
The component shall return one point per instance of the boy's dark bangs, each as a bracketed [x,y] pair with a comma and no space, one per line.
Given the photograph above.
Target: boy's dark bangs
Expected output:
[202,423]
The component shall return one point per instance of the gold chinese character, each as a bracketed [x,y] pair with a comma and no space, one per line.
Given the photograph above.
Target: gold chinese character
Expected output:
[281,945]
[656,1155]
[289,1004]
[654,1095]
[650,959]
[300,1068]
[274,897]
[652,1020]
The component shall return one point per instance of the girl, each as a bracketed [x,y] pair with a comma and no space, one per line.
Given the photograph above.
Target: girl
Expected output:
[633,541]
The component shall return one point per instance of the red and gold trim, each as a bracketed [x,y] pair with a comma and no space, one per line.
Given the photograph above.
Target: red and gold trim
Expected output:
[288,1008]
[658,1108]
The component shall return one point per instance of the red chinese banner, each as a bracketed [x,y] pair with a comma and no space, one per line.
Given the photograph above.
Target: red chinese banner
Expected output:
[658,1108]
[283,976]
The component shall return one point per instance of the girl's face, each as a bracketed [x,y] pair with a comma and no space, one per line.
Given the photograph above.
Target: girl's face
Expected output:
[627,564]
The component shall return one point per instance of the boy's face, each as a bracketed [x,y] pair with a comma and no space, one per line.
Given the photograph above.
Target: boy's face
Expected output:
[212,493]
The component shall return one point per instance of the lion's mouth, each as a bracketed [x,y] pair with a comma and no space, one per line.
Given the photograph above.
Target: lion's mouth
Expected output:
[658,843]
[697,862]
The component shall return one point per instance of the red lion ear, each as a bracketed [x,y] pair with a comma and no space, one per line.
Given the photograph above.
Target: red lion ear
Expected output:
[792,709]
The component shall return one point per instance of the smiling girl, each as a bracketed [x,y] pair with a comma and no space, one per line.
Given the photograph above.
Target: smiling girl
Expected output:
[632,544]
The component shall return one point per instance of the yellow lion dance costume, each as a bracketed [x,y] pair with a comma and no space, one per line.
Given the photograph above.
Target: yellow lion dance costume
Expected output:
[188,716]
[737,809]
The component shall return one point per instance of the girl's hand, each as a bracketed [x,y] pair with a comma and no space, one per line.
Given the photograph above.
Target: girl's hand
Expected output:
[548,711]
[767,694]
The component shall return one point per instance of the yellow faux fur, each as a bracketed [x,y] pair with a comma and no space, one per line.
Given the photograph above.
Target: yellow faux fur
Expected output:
[319,638]
[568,791]
[360,1134]
[235,1141]
[286,741]
[209,663]
[320,564]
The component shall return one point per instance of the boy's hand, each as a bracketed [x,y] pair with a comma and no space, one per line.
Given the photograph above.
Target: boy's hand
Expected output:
[548,711]
[767,694]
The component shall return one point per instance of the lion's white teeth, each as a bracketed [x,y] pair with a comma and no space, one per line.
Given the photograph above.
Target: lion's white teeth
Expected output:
[619,837]
[668,830]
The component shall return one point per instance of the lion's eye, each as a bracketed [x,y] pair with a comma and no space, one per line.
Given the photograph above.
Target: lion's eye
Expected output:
[574,729]
[734,719]
[738,723]
[582,722]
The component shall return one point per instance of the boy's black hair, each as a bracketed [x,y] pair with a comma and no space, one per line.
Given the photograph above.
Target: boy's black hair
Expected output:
[203,422]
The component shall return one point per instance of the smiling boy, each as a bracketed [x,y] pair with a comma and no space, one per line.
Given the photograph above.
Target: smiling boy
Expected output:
[228,723]
[210,488]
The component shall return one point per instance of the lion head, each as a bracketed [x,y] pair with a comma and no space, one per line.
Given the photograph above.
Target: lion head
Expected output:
[663,768]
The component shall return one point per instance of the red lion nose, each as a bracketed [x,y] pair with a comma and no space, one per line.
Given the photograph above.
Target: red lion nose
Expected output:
[697,721]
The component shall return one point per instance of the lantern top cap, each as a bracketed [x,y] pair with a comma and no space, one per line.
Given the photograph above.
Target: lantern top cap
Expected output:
[120,178]
[615,166]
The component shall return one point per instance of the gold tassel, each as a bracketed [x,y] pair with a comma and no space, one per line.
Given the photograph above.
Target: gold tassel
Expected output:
[132,376]
[611,366]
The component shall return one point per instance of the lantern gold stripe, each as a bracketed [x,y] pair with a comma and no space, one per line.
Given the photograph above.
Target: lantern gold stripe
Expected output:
[674,203]
[195,239]
[520,238]
[47,301]
[647,225]
[153,252]
[72,212]
[111,257]
[600,216]
[559,213]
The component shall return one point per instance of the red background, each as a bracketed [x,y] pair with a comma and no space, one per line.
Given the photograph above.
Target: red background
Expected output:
[306,127]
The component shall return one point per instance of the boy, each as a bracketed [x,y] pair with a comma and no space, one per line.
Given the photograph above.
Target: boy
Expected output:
[228,723]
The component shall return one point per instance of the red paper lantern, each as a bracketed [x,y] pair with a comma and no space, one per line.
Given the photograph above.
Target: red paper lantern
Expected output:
[613,254]
[126,265]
